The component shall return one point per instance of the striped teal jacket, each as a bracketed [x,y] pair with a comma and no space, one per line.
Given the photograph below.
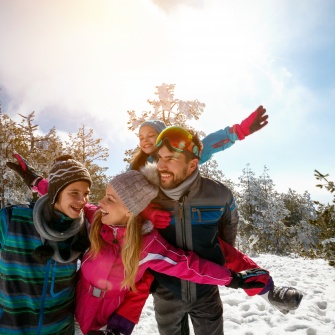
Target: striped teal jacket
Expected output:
[35,299]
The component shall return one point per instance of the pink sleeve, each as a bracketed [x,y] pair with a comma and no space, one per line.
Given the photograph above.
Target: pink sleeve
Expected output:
[89,211]
[162,257]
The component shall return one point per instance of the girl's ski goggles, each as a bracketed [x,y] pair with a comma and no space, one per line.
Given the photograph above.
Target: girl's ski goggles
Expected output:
[179,139]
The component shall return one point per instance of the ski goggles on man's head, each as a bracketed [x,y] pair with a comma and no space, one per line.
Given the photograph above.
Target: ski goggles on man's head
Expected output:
[179,139]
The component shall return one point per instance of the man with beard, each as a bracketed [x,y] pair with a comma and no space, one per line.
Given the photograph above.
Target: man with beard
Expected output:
[204,220]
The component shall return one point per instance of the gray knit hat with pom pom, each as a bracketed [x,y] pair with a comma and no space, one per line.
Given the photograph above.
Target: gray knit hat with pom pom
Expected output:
[137,189]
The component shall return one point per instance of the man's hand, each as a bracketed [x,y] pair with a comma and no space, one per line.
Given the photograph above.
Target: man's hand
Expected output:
[247,279]
[160,218]
[27,172]
[254,122]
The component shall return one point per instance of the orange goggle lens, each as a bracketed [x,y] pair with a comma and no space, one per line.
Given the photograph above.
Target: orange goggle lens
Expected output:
[179,138]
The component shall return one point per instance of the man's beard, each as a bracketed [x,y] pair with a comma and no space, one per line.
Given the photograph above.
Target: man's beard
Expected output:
[174,181]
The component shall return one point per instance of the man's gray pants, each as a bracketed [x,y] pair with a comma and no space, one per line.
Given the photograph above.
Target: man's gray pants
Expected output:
[172,313]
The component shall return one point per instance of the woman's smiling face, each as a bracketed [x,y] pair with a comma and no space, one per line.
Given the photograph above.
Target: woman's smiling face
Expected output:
[113,210]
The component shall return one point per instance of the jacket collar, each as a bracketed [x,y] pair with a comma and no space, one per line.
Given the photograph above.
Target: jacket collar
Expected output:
[115,234]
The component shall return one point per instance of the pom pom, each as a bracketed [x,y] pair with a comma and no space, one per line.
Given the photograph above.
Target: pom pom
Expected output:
[42,253]
[150,172]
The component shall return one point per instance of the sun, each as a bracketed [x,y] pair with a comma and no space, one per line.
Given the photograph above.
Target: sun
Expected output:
[222,40]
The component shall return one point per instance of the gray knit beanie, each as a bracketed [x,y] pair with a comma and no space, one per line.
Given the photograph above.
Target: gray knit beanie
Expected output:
[65,171]
[159,126]
[136,189]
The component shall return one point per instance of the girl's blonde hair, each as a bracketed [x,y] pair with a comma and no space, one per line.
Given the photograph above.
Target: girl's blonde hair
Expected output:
[97,242]
[131,251]
[139,159]
[131,248]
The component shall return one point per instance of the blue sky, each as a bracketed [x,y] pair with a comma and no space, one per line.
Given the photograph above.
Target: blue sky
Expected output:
[87,62]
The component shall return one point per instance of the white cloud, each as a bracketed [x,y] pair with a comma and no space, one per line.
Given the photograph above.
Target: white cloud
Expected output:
[78,61]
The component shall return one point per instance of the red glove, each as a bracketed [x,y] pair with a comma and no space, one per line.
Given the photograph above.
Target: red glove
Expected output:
[27,172]
[255,121]
[159,218]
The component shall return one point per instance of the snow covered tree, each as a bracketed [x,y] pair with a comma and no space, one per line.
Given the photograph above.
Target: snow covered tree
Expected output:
[275,236]
[39,148]
[261,212]
[247,208]
[87,150]
[325,220]
[172,111]
[304,236]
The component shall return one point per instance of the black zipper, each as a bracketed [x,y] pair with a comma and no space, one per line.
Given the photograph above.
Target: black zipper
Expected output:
[183,232]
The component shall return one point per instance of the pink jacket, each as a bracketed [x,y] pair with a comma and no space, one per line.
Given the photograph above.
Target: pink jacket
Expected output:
[98,292]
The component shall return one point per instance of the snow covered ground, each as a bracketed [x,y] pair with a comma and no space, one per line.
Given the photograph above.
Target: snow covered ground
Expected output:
[245,315]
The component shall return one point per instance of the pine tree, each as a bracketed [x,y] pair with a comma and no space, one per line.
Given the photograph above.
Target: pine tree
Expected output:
[325,220]
[304,236]
[261,214]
